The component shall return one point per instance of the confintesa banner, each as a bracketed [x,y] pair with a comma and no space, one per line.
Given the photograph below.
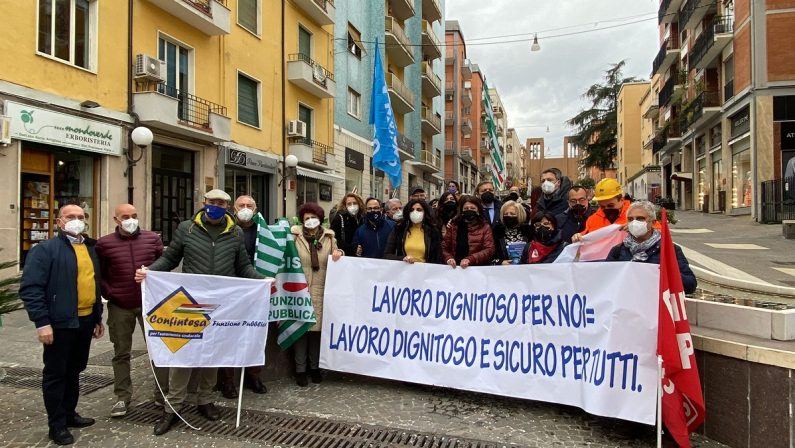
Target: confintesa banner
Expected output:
[193,320]
[580,334]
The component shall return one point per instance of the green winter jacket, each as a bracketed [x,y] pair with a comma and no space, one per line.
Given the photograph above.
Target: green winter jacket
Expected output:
[199,254]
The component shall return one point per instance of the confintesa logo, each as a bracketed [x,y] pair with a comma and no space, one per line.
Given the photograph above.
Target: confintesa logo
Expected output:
[178,319]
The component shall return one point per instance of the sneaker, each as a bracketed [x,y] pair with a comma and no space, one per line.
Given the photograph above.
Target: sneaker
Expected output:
[119,409]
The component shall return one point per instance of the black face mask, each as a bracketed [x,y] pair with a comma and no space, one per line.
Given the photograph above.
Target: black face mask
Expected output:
[469,215]
[487,197]
[513,197]
[449,207]
[510,221]
[373,216]
[579,210]
[611,214]
[544,234]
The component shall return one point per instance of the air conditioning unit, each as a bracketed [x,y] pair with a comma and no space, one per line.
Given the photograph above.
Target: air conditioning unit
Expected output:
[319,73]
[296,128]
[5,130]
[147,67]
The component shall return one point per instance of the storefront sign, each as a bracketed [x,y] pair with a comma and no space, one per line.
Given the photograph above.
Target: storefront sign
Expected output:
[354,159]
[54,128]
[249,160]
[788,135]
[741,123]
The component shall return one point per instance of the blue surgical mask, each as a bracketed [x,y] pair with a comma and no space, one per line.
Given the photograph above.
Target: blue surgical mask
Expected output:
[214,212]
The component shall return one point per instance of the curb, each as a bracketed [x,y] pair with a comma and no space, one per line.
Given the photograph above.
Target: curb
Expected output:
[729,282]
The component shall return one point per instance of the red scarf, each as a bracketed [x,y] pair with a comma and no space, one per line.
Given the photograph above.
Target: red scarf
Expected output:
[538,251]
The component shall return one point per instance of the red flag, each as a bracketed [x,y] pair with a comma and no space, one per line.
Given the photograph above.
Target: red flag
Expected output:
[682,400]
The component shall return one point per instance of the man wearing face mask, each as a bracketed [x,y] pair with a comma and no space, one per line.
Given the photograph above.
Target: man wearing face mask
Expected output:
[573,220]
[612,208]
[555,190]
[120,254]
[61,292]
[642,244]
[394,209]
[209,243]
[245,209]
[371,237]
[491,205]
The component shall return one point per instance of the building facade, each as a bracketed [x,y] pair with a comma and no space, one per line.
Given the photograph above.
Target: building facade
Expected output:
[460,156]
[629,145]
[537,160]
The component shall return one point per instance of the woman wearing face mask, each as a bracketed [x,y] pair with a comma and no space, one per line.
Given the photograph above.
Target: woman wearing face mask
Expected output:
[447,208]
[454,188]
[370,238]
[546,244]
[642,244]
[512,230]
[314,244]
[469,240]
[416,239]
[350,215]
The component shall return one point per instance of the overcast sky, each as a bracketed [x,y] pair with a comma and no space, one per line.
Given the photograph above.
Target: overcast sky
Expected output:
[545,87]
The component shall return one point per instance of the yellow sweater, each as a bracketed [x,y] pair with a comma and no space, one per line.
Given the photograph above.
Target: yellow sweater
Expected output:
[86,286]
[415,243]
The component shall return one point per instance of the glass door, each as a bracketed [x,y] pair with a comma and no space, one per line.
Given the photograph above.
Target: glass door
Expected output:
[172,190]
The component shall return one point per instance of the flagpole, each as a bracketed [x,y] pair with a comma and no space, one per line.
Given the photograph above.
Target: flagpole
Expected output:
[659,401]
[240,396]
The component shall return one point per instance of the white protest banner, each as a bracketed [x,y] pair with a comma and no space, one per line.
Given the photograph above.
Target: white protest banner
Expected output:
[581,334]
[193,320]
[594,246]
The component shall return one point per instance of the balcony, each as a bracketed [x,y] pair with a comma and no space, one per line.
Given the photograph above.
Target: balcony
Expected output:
[321,12]
[431,83]
[466,126]
[312,154]
[427,162]
[484,168]
[431,122]
[701,110]
[466,97]
[466,70]
[398,45]
[671,90]
[430,43]
[653,111]
[668,10]
[449,56]
[401,96]
[431,11]
[167,108]
[310,76]
[402,9]
[449,119]
[465,154]
[211,17]
[711,42]
[405,147]
[449,88]
[667,56]
[694,11]
[497,111]
[670,137]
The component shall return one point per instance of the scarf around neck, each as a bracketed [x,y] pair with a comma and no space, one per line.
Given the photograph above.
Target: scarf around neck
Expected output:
[639,250]
[313,238]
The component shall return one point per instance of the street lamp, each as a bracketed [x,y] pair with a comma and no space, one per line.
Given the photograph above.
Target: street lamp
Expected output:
[141,137]
[535,46]
[291,161]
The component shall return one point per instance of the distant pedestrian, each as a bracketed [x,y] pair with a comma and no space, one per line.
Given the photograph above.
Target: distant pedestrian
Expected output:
[61,292]
[468,240]
[120,254]
[371,236]
[416,239]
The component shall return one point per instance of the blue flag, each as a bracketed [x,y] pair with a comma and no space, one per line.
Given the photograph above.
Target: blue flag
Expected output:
[385,149]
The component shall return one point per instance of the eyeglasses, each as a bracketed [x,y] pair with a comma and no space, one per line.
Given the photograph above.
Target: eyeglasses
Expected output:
[578,201]
[373,209]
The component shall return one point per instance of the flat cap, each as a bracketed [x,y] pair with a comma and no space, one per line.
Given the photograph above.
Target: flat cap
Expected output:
[218,194]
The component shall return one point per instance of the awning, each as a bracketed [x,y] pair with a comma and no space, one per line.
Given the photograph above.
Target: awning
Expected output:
[319,175]
[682,177]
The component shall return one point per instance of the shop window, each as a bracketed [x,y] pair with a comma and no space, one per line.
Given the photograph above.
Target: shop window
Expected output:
[67,31]
[248,15]
[248,91]
[250,183]
[742,187]
[308,190]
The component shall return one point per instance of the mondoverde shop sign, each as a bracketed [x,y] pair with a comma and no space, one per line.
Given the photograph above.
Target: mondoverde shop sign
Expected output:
[55,128]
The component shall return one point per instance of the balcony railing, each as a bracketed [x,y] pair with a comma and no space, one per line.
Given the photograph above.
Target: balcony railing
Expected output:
[434,119]
[190,109]
[434,83]
[211,17]
[687,12]
[430,45]
[668,10]
[667,91]
[321,74]
[319,150]
[429,158]
[431,10]
[323,12]
[397,41]
[671,43]
[719,25]
[695,109]
[204,5]
[395,84]
[728,90]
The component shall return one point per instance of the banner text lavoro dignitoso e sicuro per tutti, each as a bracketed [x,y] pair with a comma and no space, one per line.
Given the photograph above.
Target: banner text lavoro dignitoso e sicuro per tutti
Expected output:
[581,334]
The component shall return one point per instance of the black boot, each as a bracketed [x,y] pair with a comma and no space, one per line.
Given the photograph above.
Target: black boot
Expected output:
[301,379]
[61,436]
[315,375]
[167,420]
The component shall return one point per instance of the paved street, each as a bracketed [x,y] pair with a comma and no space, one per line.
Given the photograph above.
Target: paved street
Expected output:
[341,398]
[736,247]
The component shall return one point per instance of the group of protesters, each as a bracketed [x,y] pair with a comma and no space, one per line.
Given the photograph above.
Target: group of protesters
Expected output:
[65,278]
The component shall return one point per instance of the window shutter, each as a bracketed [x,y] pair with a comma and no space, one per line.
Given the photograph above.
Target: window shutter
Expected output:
[247,14]
[247,107]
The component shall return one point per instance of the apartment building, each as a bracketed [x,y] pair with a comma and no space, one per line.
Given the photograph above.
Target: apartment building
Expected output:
[539,159]
[646,182]
[198,74]
[725,104]
[629,145]
[514,160]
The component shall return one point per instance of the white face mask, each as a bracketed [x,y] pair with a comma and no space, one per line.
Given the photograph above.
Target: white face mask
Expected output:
[75,227]
[416,216]
[245,214]
[130,225]
[398,215]
[638,228]
[548,187]
[311,223]
[353,209]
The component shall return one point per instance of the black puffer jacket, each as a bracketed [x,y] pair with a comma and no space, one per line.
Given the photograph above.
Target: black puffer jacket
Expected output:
[200,254]
[556,203]
[344,226]
[500,251]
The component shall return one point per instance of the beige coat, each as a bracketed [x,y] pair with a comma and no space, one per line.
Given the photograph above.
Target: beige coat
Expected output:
[315,279]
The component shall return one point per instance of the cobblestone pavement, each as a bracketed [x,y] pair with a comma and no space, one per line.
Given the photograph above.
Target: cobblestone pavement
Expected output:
[340,397]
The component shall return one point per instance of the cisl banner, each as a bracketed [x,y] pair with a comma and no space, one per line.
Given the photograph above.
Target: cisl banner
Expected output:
[581,334]
[195,320]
